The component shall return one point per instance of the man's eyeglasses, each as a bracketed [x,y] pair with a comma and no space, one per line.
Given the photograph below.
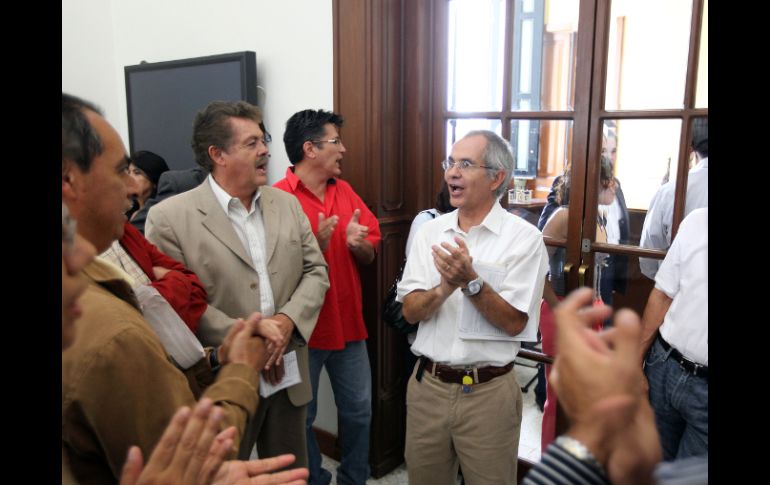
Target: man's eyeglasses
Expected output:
[462,164]
[334,141]
[266,138]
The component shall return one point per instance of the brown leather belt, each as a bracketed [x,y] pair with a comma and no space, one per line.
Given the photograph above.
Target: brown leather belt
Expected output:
[455,376]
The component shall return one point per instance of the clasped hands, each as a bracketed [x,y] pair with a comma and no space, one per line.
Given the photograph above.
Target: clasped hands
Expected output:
[275,332]
[454,264]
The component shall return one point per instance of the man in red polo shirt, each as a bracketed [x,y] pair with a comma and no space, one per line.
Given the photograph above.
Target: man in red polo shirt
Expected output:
[348,233]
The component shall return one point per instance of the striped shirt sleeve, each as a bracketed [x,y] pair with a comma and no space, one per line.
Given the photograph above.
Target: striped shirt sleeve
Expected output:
[559,467]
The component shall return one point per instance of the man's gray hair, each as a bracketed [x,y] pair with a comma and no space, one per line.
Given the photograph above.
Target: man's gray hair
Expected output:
[497,154]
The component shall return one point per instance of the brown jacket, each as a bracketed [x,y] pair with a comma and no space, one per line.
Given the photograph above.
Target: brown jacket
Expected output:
[119,388]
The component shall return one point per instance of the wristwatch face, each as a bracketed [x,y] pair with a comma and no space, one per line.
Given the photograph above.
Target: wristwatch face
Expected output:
[473,287]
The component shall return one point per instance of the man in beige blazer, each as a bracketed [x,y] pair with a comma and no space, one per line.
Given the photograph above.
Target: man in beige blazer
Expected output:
[252,247]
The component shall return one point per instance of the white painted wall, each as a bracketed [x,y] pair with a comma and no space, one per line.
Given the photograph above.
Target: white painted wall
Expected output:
[88,61]
[292,39]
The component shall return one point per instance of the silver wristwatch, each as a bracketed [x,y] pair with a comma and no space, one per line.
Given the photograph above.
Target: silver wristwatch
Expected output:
[578,450]
[474,287]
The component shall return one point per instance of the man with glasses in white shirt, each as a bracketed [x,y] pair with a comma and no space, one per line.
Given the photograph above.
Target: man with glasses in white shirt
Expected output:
[473,279]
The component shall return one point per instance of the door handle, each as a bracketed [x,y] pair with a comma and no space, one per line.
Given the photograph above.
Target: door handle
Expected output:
[566,269]
[582,274]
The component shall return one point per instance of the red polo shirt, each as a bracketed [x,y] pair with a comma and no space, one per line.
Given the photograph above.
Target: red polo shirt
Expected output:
[341,319]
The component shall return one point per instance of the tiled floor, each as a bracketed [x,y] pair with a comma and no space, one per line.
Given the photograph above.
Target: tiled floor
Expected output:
[529,441]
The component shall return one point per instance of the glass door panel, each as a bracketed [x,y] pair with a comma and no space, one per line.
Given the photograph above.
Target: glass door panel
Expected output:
[456,128]
[637,157]
[543,54]
[476,48]
[702,88]
[647,54]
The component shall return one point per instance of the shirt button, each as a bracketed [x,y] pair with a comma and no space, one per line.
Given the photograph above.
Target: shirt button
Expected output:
[253,286]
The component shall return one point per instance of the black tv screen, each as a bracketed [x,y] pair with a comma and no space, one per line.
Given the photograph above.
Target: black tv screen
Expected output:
[163,98]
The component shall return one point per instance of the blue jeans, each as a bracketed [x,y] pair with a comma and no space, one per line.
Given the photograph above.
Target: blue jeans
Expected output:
[351,380]
[680,401]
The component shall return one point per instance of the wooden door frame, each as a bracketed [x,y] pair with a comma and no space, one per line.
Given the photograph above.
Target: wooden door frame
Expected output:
[382,86]
[390,87]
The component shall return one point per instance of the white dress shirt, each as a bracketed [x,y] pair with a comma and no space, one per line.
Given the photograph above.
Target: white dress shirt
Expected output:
[503,240]
[250,229]
[419,220]
[656,232]
[684,277]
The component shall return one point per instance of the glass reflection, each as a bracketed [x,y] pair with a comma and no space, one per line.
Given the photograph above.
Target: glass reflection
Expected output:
[647,54]
[702,88]
[658,222]
[555,226]
[541,149]
[612,227]
[644,155]
[457,128]
[476,46]
[543,64]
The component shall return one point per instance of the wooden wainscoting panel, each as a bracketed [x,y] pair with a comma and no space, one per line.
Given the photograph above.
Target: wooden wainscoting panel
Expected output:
[383,53]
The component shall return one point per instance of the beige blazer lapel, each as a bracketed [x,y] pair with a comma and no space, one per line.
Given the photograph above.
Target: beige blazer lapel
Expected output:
[271,222]
[219,225]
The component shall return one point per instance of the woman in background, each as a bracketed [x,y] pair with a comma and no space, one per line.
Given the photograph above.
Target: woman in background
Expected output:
[145,169]
[442,207]
[556,227]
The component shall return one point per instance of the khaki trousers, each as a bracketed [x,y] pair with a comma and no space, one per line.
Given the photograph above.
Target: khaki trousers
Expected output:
[478,430]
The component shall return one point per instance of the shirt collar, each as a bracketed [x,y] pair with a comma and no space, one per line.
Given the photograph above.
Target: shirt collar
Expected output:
[704,163]
[295,182]
[113,279]
[493,220]
[224,199]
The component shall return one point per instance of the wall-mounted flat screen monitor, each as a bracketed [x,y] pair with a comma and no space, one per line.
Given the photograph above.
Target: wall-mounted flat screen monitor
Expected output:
[163,98]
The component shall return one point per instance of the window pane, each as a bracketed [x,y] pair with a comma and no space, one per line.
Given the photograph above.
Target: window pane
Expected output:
[659,222]
[457,128]
[620,283]
[643,156]
[525,74]
[647,54]
[476,46]
[702,89]
[544,41]
[542,147]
